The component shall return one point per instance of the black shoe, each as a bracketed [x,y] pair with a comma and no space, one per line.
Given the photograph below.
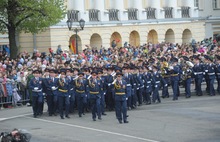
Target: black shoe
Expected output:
[126,121]
[127,115]
[94,119]
[80,115]
[99,118]
[35,116]
[50,114]
[61,117]
[104,113]
[67,116]
[120,121]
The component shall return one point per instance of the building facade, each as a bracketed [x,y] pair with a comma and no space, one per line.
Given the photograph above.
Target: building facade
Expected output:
[133,21]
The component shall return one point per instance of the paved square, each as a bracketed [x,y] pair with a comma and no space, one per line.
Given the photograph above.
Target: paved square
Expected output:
[187,120]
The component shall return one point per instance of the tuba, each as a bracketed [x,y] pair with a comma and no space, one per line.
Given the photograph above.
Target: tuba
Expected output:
[190,64]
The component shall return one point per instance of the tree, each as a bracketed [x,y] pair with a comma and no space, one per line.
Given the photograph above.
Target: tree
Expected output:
[30,16]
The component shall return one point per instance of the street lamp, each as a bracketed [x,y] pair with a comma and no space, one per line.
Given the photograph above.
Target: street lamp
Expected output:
[76,30]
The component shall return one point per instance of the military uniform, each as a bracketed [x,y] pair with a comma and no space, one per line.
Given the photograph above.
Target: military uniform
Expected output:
[148,86]
[174,78]
[63,95]
[120,99]
[81,90]
[129,81]
[198,75]
[36,86]
[110,91]
[51,85]
[156,78]
[95,88]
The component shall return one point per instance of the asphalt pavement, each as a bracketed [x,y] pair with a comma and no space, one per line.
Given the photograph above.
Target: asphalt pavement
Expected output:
[187,120]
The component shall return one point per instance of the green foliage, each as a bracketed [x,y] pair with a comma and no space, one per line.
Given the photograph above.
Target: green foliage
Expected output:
[30,15]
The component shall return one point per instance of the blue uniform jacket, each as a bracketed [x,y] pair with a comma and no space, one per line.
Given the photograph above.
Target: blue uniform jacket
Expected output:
[63,87]
[51,86]
[36,86]
[95,87]
[120,93]
[148,82]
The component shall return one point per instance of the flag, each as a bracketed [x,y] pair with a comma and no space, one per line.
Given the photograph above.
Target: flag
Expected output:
[73,46]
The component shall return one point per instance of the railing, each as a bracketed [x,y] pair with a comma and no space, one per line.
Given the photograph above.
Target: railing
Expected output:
[185,12]
[113,15]
[93,15]
[73,14]
[168,11]
[13,94]
[151,13]
[132,14]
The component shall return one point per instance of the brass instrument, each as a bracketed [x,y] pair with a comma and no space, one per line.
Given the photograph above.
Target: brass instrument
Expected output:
[61,82]
[91,83]
[78,83]
[117,85]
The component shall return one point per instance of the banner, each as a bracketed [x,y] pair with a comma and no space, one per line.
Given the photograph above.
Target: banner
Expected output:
[73,46]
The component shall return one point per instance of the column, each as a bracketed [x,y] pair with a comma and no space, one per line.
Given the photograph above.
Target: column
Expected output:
[99,5]
[192,11]
[80,5]
[173,4]
[137,4]
[70,5]
[119,4]
[157,5]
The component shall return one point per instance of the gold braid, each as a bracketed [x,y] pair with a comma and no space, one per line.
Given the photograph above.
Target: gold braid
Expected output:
[117,85]
[78,84]
[91,83]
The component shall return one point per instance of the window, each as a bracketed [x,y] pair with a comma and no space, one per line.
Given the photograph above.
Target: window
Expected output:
[132,14]
[73,14]
[113,15]
[93,15]
[151,13]
[214,4]
[168,12]
[196,3]
[185,12]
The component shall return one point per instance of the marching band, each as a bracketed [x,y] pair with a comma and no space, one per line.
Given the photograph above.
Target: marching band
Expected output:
[120,88]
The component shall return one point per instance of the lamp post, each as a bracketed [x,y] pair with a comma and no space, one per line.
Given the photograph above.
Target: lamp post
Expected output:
[76,30]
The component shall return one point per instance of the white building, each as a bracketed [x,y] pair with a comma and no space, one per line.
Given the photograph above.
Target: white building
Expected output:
[133,21]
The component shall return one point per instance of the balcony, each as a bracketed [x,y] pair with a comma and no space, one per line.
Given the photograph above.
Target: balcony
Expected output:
[113,15]
[73,14]
[151,12]
[185,12]
[168,11]
[93,15]
[132,14]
